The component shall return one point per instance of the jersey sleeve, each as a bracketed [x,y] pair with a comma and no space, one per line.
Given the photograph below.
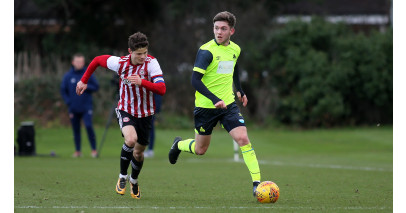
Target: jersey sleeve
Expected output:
[155,71]
[97,61]
[203,60]
[113,63]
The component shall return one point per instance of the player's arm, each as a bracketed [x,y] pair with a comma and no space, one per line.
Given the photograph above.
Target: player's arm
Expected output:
[157,87]
[92,84]
[96,62]
[202,89]
[203,60]
[240,94]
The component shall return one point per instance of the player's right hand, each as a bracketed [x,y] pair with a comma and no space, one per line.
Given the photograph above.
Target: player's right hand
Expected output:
[80,88]
[220,105]
[243,99]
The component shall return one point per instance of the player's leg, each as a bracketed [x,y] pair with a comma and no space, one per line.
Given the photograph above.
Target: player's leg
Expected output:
[234,123]
[197,146]
[130,137]
[75,121]
[205,120]
[143,128]
[239,134]
[137,162]
[87,119]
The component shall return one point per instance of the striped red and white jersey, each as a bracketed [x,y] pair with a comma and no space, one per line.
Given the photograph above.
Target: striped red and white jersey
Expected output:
[136,100]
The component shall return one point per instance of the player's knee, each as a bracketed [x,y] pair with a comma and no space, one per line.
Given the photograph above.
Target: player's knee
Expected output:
[138,154]
[242,139]
[131,140]
[200,151]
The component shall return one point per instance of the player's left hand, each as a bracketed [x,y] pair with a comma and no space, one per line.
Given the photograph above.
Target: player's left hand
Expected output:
[243,99]
[135,79]
[220,105]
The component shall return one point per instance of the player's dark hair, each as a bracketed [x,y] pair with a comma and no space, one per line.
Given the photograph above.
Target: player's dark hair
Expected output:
[137,40]
[227,17]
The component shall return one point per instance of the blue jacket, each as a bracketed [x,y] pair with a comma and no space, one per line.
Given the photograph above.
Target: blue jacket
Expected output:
[76,103]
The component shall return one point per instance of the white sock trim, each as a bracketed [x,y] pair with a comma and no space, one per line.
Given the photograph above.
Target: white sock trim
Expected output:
[133,181]
[122,176]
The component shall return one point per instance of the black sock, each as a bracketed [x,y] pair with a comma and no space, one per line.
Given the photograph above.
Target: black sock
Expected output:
[136,168]
[125,159]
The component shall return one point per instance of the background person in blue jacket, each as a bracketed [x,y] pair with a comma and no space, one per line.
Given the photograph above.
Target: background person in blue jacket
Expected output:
[80,107]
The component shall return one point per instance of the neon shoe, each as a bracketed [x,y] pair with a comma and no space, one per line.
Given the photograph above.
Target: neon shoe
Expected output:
[135,190]
[255,184]
[120,186]
[174,151]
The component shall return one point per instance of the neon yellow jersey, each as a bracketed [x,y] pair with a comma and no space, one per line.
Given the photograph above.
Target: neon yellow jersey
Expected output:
[216,62]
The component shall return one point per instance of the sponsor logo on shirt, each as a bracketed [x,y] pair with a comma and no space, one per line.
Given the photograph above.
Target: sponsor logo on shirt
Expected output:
[225,67]
[125,80]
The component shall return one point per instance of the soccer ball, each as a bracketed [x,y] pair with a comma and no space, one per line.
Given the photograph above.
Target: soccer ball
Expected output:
[267,192]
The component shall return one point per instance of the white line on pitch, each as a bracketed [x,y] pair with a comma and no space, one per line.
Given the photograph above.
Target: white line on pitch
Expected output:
[206,207]
[278,163]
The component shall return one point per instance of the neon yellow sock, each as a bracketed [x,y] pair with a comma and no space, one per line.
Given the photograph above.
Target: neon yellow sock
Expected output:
[251,161]
[187,145]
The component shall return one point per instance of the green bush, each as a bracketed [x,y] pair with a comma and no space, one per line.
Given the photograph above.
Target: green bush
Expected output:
[326,75]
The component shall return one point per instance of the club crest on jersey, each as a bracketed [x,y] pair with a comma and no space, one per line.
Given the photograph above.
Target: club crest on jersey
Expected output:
[142,72]
[126,119]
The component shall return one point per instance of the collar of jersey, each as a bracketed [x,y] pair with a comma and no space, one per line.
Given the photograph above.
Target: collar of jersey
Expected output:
[220,44]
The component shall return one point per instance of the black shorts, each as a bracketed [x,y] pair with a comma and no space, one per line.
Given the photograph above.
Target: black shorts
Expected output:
[142,125]
[206,119]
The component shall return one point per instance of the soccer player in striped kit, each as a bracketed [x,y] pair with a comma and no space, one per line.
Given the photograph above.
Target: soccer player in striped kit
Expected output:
[140,77]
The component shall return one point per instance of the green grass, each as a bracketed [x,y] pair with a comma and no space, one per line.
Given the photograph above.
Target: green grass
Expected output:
[339,170]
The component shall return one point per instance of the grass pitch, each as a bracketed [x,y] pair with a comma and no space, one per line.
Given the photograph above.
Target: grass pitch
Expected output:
[340,170]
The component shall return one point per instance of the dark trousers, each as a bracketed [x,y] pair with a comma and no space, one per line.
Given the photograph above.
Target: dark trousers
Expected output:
[87,120]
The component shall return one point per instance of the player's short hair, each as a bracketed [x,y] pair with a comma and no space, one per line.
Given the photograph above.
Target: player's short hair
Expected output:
[227,17]
[137,40]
